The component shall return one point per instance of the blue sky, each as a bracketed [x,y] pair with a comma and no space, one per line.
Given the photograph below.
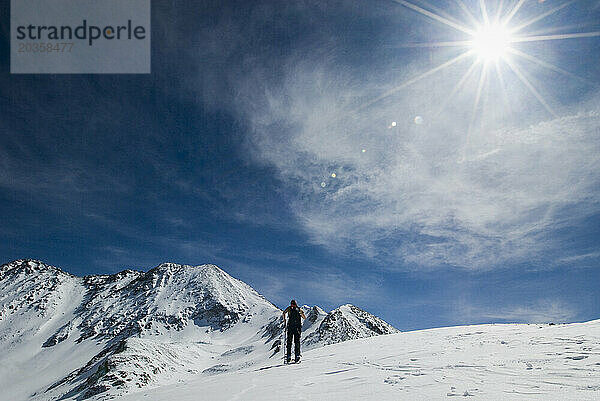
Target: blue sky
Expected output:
[443,209]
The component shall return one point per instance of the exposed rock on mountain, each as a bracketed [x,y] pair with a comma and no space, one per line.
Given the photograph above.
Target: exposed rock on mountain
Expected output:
[347,322]
[105,335]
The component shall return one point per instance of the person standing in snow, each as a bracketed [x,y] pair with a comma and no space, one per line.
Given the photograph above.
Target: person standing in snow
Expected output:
[294,328]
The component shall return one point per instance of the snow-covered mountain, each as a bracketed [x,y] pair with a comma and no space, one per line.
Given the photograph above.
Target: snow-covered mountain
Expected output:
[345,323]
[314,318]
[67,337]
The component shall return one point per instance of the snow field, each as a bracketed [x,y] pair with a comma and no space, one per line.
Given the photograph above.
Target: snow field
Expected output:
[488,362]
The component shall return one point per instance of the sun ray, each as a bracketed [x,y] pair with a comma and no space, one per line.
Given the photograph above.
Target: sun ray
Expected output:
[513,12]
[554,29]
[482,79]
[455,43]
[484,13]
[499,10]
[547,65]
[456,88]
[539,38]
[416,79]
[443,14]
[542,16]
[435,16]
[467,12]
[503,87]
[493,38]
[530,86]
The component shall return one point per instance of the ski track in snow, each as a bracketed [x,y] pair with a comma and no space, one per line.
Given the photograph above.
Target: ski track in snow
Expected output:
[488,362]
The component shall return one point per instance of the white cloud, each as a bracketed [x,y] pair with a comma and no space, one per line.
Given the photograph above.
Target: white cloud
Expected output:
[544,312]
[422,195]
[539,311]
[589,256]
[419,195]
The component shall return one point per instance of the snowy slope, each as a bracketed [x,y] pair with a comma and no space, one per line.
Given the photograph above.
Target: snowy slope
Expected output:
[67,337]
[36,301]
[314,318]
[194,332]
[62,334]
[486,362]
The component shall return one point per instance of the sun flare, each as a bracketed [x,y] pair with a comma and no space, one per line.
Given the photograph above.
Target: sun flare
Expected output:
[492,42]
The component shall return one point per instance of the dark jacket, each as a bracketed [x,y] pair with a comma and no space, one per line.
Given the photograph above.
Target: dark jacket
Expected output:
[294,314]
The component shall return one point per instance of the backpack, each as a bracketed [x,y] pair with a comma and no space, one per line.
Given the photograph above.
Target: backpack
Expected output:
[294,319]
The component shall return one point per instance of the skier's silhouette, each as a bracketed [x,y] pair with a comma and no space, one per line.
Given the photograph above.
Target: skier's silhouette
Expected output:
[294,329]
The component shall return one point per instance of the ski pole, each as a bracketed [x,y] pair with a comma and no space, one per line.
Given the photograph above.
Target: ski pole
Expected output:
[284,342]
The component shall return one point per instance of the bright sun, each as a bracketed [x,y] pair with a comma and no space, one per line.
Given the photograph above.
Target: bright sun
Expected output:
[491,42]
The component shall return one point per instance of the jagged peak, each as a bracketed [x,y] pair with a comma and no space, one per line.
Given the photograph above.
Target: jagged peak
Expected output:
[122,273]
[128,272]
[356,311]
[28,266]
[204,283]
[349,308]
[178,266]
[313,310]
[22,263]
[207,273]
[124,276]
[348,322]
[167,268]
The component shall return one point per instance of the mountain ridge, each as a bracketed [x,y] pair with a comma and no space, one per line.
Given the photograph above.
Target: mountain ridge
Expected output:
[131,329]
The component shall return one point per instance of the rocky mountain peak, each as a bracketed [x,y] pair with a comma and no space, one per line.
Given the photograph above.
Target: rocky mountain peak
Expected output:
[348,322]
[152,319]
[27,267]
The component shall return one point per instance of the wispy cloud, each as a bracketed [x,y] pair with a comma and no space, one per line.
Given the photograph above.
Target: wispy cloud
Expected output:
[540,311]
[409,194]
[544,312]
[429,194]
[587,257]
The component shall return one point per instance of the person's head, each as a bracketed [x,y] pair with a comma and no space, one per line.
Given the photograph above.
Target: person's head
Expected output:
[293,302]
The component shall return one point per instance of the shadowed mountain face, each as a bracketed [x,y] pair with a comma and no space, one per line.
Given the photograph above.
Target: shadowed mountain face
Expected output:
[105,335]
